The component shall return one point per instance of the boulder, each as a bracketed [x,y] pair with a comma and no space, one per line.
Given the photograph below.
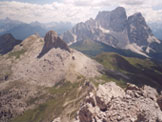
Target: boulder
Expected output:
[108,91]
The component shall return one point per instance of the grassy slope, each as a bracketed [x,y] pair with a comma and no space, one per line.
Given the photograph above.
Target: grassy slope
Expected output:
[89,47]
[17,54]
[139,71]
[93,48]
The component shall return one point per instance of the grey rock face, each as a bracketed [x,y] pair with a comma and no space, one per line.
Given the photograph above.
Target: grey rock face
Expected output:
[118,20]
[115,20]
[68,36]
[103,19]
[53,41]
[82,31]
[100,28]
[138,31]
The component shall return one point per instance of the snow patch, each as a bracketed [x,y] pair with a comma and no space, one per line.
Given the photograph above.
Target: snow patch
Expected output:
[152,39]
[135,48]
[74,41]
[148,49]
[104,30]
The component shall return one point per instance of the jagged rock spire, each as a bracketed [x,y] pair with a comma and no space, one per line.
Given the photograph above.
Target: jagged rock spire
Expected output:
[52,40]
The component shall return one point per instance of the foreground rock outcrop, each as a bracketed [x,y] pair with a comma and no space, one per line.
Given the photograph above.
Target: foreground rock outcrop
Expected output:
[110,103]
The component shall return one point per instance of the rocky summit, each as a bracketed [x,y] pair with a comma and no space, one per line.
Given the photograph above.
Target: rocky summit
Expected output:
[115,20]
[137,22]
[53,41]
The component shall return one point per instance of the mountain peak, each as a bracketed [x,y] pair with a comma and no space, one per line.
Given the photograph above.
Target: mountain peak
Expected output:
[120,9]
[137,16]
[51,35]
[138,30]
[52,40]
[8,36]
[115,20]
[7,43]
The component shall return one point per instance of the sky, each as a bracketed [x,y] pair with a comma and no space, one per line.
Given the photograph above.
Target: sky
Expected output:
[75,11]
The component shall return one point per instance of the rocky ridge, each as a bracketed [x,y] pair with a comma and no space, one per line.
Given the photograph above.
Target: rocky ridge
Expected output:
[55,62]
[27,77]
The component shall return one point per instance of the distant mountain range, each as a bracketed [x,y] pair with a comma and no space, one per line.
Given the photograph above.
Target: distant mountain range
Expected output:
[115,29]
[7,43]
[21,30]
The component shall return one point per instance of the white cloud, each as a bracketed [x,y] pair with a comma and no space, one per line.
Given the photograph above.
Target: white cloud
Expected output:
[133,2]
[77,10]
